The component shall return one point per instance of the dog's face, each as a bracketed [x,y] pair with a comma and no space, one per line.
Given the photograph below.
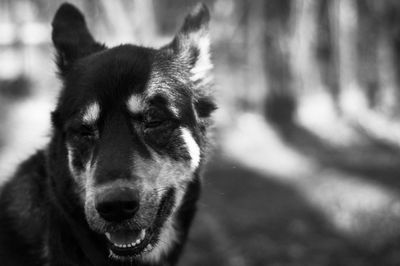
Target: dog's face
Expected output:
[134,124]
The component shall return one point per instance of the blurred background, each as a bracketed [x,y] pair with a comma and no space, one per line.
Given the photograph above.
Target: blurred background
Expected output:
[306,165]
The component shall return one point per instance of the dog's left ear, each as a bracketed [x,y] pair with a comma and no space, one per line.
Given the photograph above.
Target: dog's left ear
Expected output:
[71,36]
[191,47]
[192,43]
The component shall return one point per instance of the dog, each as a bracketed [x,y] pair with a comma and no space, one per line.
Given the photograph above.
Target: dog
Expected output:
[119,179]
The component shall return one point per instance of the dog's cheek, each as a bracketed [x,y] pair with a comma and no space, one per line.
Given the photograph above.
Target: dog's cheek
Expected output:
[158,139]
[175,165]
[149,207]
[92,216]
[79,162]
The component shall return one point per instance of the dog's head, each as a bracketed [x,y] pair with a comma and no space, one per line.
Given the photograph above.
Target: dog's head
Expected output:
[133,121]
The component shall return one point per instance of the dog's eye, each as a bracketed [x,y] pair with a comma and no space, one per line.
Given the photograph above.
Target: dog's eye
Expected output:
[154,119]
[158,127]
[153,123]
[82,133]
[87,134]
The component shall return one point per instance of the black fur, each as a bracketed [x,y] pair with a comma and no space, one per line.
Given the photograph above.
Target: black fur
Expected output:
[42,217]
[70,32]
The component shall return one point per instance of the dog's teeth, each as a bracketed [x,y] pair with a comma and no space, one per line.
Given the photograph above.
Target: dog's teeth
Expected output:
[139,240]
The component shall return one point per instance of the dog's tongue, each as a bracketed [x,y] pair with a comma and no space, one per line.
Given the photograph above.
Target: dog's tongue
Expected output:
[125,237]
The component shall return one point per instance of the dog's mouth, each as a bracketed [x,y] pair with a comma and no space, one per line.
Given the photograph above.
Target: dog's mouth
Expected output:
[125,244]
[129,243]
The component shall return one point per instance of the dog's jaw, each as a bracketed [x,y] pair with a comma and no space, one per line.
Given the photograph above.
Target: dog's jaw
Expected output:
[168,237]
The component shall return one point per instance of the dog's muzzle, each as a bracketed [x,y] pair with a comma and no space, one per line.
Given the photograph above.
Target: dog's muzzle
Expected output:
[120,206]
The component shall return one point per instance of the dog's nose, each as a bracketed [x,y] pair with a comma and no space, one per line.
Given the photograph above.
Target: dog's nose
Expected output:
[115,205]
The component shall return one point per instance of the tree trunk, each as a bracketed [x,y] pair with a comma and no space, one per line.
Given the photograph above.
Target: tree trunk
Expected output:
[280,101]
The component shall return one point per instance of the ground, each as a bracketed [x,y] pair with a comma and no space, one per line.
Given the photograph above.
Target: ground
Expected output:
[328,206]
[247,219]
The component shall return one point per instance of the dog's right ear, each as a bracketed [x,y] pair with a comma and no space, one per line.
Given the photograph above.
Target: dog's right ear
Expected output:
[71,36]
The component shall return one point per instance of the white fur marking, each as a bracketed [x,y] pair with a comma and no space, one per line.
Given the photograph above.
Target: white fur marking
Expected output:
[203,63]
[135,104]
[70,158]
[193,148]
[174,110]
[92,113]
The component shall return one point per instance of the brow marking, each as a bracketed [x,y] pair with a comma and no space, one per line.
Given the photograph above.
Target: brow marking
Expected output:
[92,113]
[135,104]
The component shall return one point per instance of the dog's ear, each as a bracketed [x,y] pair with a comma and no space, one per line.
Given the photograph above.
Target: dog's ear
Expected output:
[71,36]
[191,47]
[192,44]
